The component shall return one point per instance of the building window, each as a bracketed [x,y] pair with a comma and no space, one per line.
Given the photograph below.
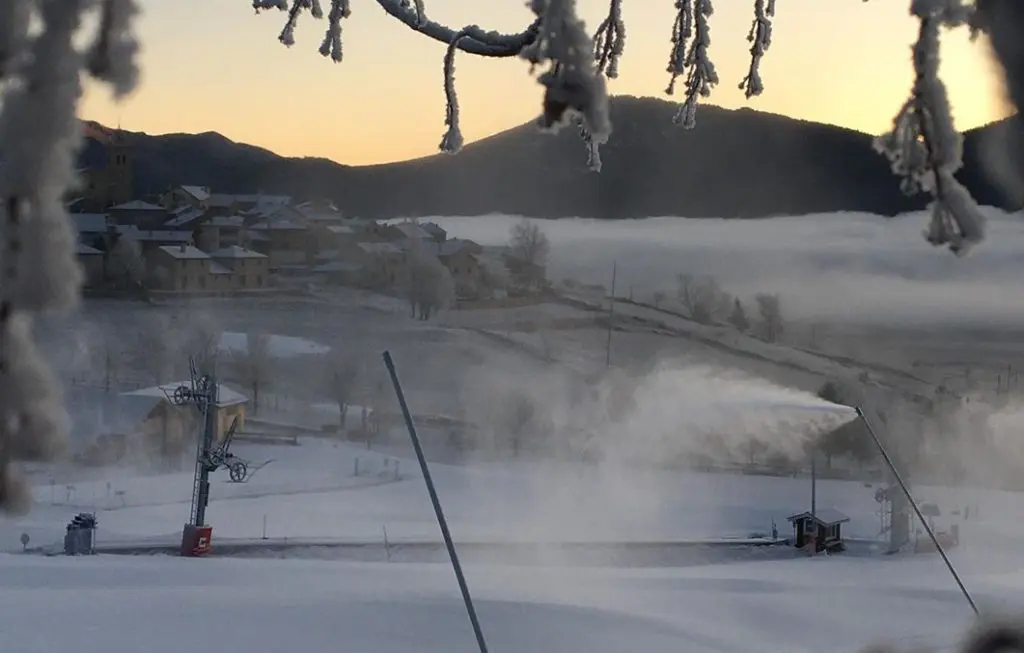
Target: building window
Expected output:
[202,282]
[259,280]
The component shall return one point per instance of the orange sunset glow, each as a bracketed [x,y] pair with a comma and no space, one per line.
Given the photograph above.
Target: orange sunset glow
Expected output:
[212,65]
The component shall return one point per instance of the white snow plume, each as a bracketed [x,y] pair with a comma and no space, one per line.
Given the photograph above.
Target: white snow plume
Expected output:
[605,457]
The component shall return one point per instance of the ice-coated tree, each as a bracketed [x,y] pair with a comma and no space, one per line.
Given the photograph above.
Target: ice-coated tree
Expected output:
[528,244]
[125,265]
[738,318]
[342,380]
[427,283]
[702,298]
[769,308]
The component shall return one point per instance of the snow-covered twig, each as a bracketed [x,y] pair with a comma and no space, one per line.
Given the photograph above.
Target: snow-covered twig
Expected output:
[693,61]
[924,148]
[760,38]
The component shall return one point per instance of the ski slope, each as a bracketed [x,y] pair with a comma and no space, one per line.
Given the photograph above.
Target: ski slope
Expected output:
[118,604]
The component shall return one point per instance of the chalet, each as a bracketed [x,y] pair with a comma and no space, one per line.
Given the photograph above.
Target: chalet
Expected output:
[150,240]
[403,231]
[827,522]
[435,231]
[251,269]
[184,268]
[224,231]
[142,215]
[322,212]
[246,202]
[230,404]
[196,197]
[290,243]
[461,258]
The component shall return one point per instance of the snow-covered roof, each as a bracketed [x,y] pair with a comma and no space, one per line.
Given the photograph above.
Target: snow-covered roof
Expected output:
[340,229]
[278,224]
[84,250]
[827,516]
[184,216]
[226,221]
[225,395]
[411,230]
[138,205]
[456,245]
[236,252]
[157,235]
[94,223]
[433,229]
[338,266]
[185,252]
[380,248]
[198,192]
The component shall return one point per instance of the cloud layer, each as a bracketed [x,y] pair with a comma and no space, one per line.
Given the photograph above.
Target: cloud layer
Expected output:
[853,267]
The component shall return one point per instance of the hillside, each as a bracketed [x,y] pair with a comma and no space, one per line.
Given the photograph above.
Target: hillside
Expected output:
[741,163]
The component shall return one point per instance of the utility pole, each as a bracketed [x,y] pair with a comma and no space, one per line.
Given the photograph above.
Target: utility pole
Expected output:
[611,314]
[814,494]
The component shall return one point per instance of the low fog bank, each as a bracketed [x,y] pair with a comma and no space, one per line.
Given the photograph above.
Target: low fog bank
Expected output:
[853,267]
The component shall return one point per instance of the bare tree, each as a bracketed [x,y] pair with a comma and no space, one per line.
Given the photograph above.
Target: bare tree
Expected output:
[659,298]
[253,364]
[200,338]
[125,264]
[427,284]
[702,298]
[738,318]
[342,380]
[529,245]
[770,309]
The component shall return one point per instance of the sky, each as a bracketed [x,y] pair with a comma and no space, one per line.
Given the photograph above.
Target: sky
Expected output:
[212,65]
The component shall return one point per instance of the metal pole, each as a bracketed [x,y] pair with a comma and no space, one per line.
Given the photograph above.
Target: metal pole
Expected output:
[449,544]
[814,493]
[917,511]
[611,314]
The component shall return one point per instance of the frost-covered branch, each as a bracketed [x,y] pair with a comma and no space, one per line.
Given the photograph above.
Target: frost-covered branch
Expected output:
[39,136]
[452,140]
[692,61]
[610,41]
[572,84]
[924,148]
[760,38]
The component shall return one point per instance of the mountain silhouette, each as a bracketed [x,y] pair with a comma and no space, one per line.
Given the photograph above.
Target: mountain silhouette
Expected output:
[734,164]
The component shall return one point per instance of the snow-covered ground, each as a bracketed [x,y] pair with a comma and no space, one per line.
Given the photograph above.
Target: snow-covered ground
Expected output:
[278,346]
[127,604]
